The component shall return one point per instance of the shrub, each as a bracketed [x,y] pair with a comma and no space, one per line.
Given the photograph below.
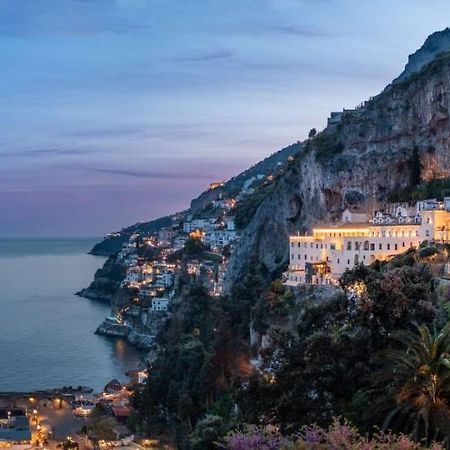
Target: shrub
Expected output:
[428,251]
[339,435]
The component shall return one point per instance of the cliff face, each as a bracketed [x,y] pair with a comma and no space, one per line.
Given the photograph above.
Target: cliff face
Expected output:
[368,155]
[435,43]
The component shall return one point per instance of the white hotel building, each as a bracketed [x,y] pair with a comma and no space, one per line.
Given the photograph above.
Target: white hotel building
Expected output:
[323,256]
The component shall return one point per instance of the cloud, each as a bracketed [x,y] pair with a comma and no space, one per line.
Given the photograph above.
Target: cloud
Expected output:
[156,174]
[116,131]
[297,31]
[205,57]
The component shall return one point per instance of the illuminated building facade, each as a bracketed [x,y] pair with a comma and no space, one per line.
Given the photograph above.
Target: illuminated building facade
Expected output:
[323,256]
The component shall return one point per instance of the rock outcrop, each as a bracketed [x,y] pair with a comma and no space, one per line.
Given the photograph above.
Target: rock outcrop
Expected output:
[436,43]
[368,155]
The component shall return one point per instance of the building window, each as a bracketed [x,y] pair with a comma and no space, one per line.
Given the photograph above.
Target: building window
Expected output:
[395,247]
[292,256]
[428,220]
[299,256]
[338,261]
[372,246]
[366,245]
[321,246]
[298,245]
[380,246]
[317,245]
[403,244]
[312,245]
[388,246]
[349,245]
[357,245]
[292,244]
[427,233]
[417,232]
[306,257]
[348,261]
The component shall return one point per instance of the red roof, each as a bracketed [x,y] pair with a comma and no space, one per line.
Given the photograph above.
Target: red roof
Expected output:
[121,411]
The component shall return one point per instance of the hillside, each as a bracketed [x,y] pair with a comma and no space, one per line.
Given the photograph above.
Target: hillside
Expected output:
[394,141]
[436,43]
[114,242]
[271,355]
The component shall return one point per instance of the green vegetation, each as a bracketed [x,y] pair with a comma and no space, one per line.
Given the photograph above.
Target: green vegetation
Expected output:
[414,384]
[194,247]
[431,69]
[436,188]
[327,146]
[327,356]
[247,207]
[206,355]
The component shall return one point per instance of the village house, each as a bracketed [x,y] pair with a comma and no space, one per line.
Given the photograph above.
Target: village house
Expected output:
[193,267]
[323,256]
[179,242]
[160,304]
[219,238]
[165,235]
[196,224]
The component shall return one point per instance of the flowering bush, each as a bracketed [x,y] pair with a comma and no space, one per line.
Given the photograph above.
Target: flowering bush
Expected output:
[340,435]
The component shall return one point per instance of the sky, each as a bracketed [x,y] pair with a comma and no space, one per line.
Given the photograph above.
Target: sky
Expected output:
[118,111]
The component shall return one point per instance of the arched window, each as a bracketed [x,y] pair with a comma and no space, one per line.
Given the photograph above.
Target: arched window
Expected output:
[366,245]
[349,245]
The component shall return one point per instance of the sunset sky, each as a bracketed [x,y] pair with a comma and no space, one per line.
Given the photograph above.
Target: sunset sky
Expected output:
[116,111]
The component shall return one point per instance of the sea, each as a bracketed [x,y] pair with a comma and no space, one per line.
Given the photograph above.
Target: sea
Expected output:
[47,334]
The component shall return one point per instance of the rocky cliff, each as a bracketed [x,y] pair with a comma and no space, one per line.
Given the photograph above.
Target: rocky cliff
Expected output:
[371,153]
[436,43]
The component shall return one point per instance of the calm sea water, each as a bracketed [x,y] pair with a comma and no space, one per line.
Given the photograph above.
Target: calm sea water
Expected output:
[46,332]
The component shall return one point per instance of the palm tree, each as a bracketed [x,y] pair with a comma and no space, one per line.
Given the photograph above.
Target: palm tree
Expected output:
[416,380]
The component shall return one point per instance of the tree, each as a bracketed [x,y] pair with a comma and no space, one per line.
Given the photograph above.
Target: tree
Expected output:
[415,384]
[415,167]
[312,133]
